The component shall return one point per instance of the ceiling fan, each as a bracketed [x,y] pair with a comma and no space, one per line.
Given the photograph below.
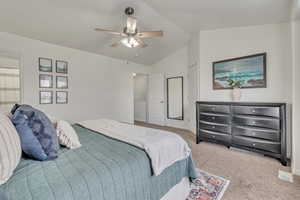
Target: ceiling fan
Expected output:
[131,37]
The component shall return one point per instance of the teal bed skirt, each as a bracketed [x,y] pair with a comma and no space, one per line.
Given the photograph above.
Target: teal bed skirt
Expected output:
[102,169]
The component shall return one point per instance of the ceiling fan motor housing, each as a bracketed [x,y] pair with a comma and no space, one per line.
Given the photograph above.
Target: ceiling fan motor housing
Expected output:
[130,33]
[129,11]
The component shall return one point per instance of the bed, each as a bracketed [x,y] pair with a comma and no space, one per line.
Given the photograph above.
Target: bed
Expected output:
[102,169]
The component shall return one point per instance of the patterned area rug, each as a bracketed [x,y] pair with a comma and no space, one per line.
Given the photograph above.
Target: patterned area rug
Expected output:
[207,187]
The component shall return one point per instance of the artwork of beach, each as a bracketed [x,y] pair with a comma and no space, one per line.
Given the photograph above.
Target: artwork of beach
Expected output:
[250,70]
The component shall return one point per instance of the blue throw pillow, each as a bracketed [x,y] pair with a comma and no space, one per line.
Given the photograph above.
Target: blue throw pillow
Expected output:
[37,133]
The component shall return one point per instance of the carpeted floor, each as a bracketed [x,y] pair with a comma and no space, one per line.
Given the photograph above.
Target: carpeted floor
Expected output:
[252,176]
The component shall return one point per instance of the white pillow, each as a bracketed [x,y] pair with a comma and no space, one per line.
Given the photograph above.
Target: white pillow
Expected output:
[10,148]
[53,120]
[8,114]
[67,135]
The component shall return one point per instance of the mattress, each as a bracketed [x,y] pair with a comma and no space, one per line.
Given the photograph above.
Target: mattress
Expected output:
[102,169]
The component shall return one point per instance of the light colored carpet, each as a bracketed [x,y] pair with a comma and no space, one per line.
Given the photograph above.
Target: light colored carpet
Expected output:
[252,176]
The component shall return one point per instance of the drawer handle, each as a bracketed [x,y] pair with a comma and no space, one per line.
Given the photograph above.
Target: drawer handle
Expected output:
[214,136]
[254,144]
[253,111]
[253,134]
[253,122]
[213,127]
[213,118]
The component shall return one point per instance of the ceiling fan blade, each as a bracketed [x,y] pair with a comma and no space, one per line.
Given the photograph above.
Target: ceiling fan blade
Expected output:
[116,44]
[150,34]
[141,42]
[109,31]
[131,25]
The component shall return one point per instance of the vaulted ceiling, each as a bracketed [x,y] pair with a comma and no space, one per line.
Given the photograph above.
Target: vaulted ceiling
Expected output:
[71,22]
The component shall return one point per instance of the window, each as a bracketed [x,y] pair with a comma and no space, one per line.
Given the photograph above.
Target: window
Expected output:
[9,83]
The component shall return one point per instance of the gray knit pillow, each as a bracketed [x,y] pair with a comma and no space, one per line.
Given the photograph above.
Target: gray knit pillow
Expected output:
[10,148]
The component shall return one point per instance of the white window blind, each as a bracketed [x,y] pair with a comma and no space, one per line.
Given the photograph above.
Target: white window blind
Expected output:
[9,83]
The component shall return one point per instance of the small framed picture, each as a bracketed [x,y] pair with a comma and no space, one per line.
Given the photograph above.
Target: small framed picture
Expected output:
[61,82]
[46,97]
[45,64]
[61,97]
[61,67]
[46,81]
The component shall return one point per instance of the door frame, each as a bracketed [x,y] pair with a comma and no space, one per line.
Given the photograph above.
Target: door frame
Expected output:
[192,124]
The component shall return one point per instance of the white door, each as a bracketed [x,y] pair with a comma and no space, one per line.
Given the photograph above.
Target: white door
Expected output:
[156,99]
[192,96]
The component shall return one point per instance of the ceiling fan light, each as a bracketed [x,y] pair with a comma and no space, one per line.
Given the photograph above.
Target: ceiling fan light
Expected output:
[130,42]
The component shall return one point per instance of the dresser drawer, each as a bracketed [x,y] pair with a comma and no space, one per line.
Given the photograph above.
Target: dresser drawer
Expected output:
[257,144]
[214,127]
[257,122]
[256,110]
[221,119]
[215,108]
[256,133]
[215,136]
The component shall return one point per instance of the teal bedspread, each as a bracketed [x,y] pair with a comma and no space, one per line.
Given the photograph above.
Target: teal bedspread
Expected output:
[102,169]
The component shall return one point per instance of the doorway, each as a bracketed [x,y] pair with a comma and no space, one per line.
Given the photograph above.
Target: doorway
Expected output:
[156,99]
[140,97]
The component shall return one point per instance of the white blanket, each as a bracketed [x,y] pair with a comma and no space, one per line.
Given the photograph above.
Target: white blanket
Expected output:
[164,148]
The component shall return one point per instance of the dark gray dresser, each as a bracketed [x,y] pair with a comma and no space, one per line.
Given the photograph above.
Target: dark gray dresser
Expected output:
[258,127]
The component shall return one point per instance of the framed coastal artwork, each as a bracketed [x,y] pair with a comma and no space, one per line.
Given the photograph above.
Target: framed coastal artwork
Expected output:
[249,70]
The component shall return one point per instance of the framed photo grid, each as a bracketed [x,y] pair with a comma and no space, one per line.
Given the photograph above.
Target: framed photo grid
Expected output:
[61,97]
[46,81]
[45,65]
[46,97]
[61,82]
[61,67]
[48,77]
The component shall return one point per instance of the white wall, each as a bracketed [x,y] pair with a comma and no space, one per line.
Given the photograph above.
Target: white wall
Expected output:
[295,14]
[99,86]
[235,42]
[296,97]
[175,65]
[274,39]
[194,50]
[140,97]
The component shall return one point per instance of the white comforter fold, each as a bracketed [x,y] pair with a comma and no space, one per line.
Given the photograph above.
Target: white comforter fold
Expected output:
[164,148]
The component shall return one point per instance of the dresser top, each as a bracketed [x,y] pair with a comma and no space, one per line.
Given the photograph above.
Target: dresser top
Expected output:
[242,103]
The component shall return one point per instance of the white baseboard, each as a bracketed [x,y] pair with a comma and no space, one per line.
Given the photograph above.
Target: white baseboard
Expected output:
[296,172]
[192,128]
[140,119]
